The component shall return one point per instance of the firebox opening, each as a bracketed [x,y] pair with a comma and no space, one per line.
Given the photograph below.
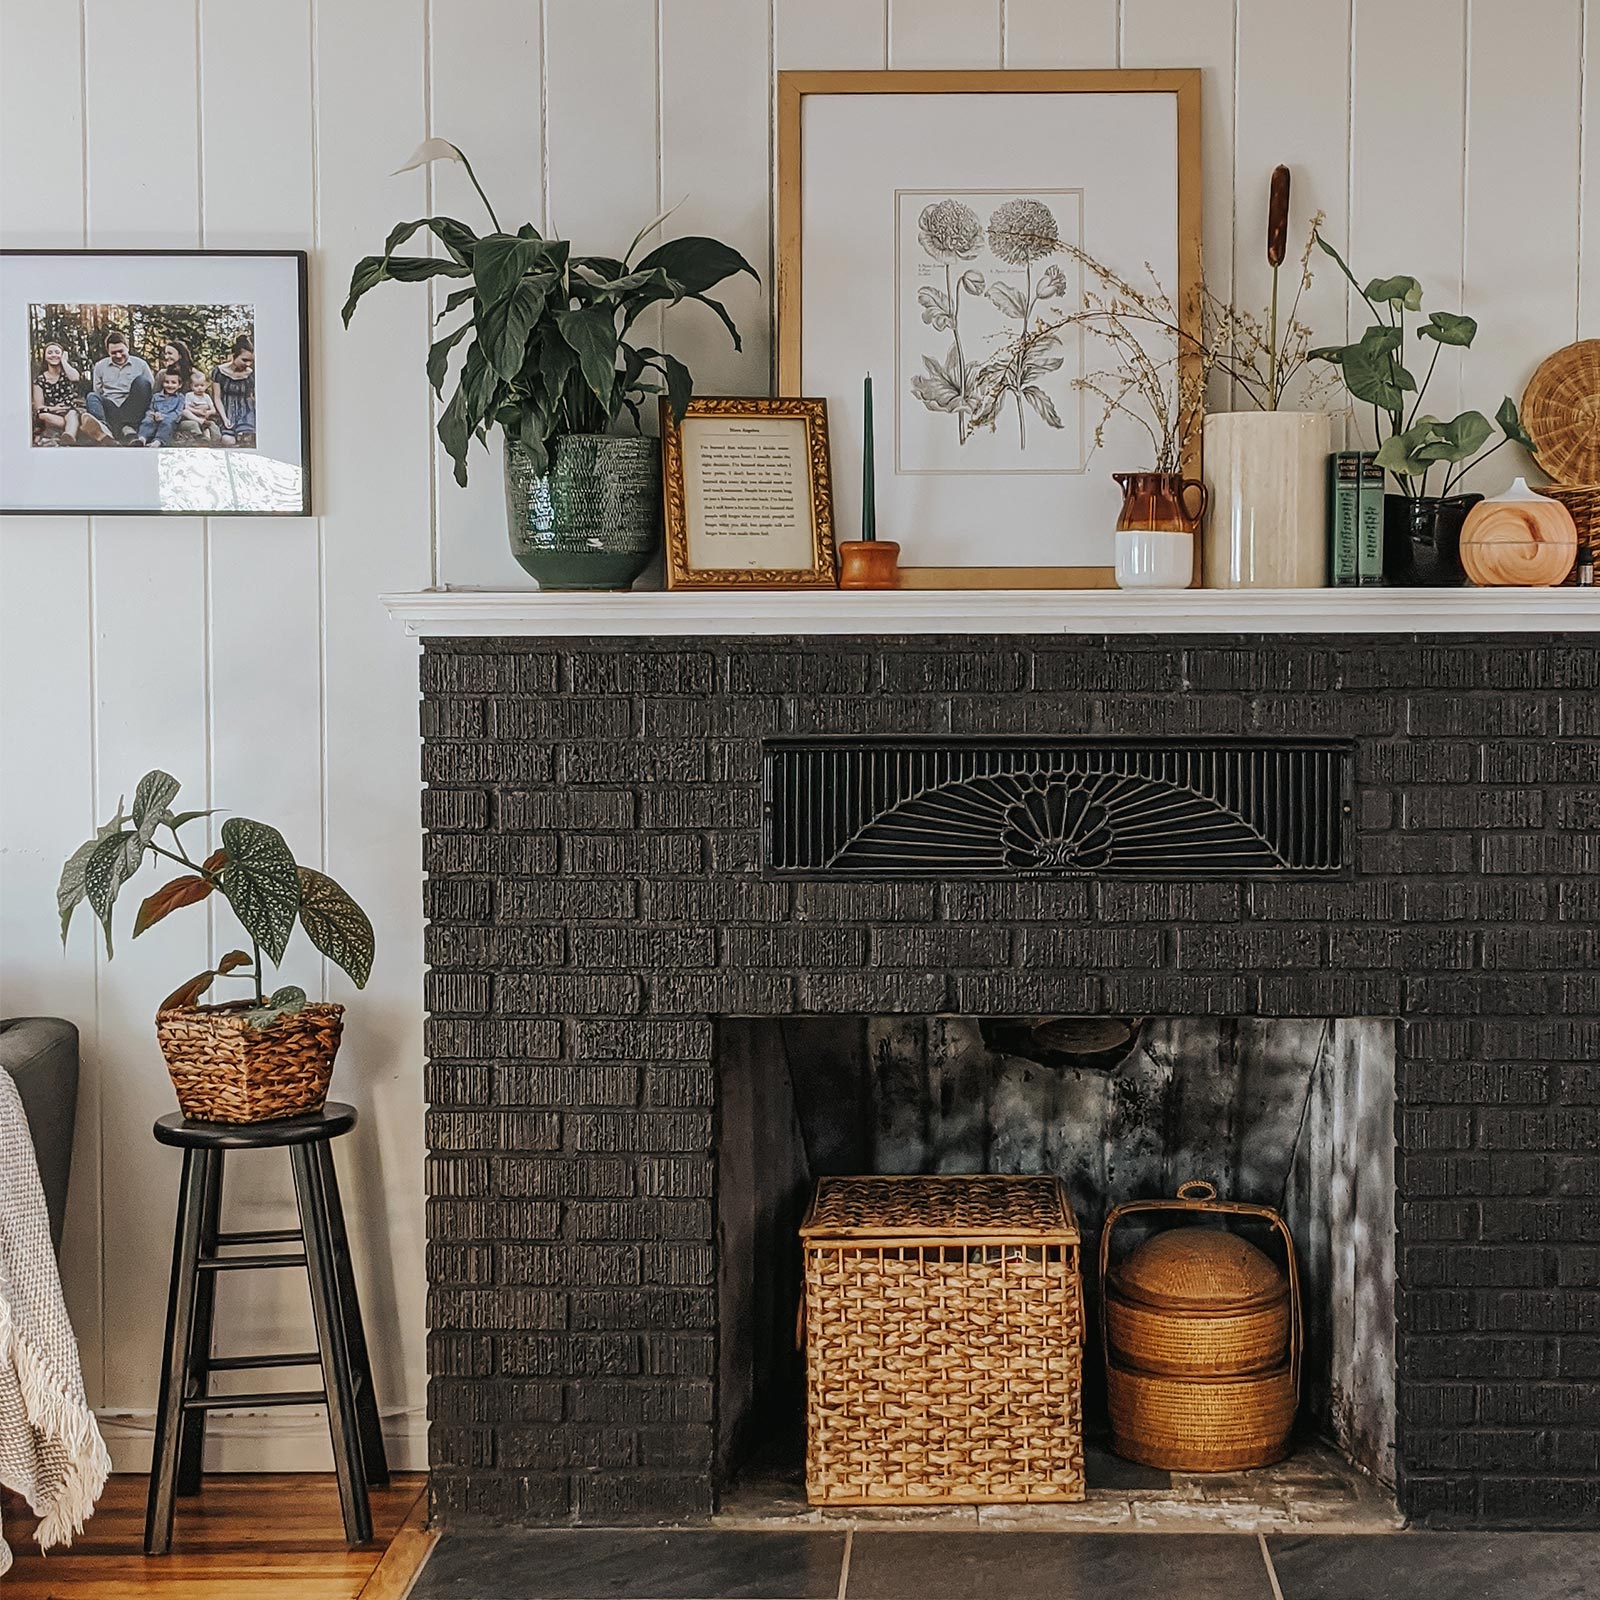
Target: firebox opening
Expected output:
[1296,1114]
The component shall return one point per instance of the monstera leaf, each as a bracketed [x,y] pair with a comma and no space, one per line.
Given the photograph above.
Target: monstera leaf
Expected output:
[336,925]
[261,882]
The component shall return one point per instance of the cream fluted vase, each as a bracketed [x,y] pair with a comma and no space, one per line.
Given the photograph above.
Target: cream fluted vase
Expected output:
[1266,473]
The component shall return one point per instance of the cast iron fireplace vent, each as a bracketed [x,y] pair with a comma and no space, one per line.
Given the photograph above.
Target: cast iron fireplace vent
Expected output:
[1059,807]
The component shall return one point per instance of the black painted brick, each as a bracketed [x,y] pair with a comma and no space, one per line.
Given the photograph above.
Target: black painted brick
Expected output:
[593,839]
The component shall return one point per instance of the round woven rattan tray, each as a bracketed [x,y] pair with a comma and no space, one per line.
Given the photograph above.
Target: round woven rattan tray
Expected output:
[1561,411]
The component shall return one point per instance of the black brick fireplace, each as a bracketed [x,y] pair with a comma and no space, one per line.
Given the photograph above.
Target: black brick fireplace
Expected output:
[598,896]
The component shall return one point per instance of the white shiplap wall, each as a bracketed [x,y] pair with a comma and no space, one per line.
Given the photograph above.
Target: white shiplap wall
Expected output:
[1446,138]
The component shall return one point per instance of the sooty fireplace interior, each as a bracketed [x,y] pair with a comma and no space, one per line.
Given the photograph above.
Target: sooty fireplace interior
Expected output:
[1298,1116]
[631,926]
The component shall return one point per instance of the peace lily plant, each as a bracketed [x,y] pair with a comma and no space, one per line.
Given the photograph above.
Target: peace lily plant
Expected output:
[545,351]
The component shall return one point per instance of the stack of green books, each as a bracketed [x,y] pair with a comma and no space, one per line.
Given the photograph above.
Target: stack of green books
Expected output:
[1355,519]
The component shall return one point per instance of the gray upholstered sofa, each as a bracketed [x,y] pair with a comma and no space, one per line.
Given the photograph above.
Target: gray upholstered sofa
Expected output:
[41,1054]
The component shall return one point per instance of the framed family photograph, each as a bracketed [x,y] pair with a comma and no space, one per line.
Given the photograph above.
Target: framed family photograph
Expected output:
[749,496]
[144,382]
[931,231]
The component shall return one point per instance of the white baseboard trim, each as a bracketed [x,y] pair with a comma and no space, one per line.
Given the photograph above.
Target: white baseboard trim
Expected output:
[283,1439]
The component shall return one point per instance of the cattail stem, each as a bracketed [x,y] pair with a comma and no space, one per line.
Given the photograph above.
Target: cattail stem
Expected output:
[1272,348]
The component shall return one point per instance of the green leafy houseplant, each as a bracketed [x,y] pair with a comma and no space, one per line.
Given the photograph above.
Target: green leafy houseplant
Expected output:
[1411,442]
[544,333]
[254,871]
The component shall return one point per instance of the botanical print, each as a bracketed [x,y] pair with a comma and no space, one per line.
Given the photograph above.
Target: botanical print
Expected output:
[987,363]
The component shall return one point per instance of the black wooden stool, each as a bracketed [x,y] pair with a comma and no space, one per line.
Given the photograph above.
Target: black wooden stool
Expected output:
[187,1361]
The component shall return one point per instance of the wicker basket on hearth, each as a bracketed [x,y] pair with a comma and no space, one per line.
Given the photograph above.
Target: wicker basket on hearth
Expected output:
[943,1329]
[1202,1338]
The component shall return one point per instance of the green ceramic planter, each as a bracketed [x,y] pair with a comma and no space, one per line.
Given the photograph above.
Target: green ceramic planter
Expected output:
[592,522]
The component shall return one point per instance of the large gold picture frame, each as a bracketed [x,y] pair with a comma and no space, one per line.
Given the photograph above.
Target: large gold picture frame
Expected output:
[682,573]
[1183,83]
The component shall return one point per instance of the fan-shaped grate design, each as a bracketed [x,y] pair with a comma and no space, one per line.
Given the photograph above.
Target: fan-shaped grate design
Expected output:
[950,808]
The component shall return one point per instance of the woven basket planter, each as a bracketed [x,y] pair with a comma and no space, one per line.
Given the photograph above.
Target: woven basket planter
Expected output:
[226,1071]
[944,1342]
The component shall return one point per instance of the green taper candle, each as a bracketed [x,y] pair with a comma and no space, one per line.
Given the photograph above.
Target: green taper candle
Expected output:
[869,479]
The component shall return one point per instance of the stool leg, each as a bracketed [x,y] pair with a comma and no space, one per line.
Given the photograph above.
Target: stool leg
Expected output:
[175,1354]
[343,1428]
[192,1442]
[372,1451]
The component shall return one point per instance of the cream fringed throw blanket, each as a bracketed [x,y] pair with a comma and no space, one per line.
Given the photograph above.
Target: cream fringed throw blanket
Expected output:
[51,1451]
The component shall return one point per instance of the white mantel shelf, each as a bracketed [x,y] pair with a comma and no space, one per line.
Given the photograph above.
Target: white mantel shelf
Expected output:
[482,613]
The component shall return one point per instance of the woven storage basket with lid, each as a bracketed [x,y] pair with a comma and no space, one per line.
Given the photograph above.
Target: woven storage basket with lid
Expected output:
[1202,1340]
[944,1341]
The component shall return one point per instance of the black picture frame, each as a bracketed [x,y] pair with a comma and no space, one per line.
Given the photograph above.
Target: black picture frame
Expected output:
[15,331]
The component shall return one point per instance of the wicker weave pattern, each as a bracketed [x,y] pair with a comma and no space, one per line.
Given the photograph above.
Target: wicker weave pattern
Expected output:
[1561,411]
[1196,1425]
[1583,502]
[964,1207]
[227,1071]
[939,1372]
[1197,1343]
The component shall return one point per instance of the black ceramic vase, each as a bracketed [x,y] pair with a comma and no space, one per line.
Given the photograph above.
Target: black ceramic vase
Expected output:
[1422,540]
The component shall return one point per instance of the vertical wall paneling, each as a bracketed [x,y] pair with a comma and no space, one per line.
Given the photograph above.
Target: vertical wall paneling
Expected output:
[487,102]
[1060,33]
[46,718]
[830,33]
[944,33]
[264,578]
[603,166]
[1588,140]
[1300,119]
[372,435]
[1408,119]
[721,180]
[1198,33]
[152,684]
[1520,253]
[137,196]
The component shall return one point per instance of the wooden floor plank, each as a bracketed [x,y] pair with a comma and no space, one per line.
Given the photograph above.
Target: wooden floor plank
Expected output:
[248,1536]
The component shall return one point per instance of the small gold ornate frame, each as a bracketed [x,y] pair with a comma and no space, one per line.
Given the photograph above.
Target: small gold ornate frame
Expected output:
[820,572]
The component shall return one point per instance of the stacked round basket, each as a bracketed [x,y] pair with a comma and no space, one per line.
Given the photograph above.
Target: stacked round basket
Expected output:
[1202,1336]
[1561,412]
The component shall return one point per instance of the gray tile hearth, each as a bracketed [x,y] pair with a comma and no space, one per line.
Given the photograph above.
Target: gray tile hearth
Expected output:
[1437,1566]
[1056,1566]
[927,1564]
[600,1565]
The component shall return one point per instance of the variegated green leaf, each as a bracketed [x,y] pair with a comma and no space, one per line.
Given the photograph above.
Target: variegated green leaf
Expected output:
[282,1002]
[261,882]
[336,925]
[111,863]
[70,890]
[156,792]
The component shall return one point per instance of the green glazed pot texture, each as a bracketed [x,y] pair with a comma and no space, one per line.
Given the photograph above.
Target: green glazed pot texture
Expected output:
[594,520]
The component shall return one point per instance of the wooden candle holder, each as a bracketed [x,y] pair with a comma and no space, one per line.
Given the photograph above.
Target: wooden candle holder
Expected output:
[869,564]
